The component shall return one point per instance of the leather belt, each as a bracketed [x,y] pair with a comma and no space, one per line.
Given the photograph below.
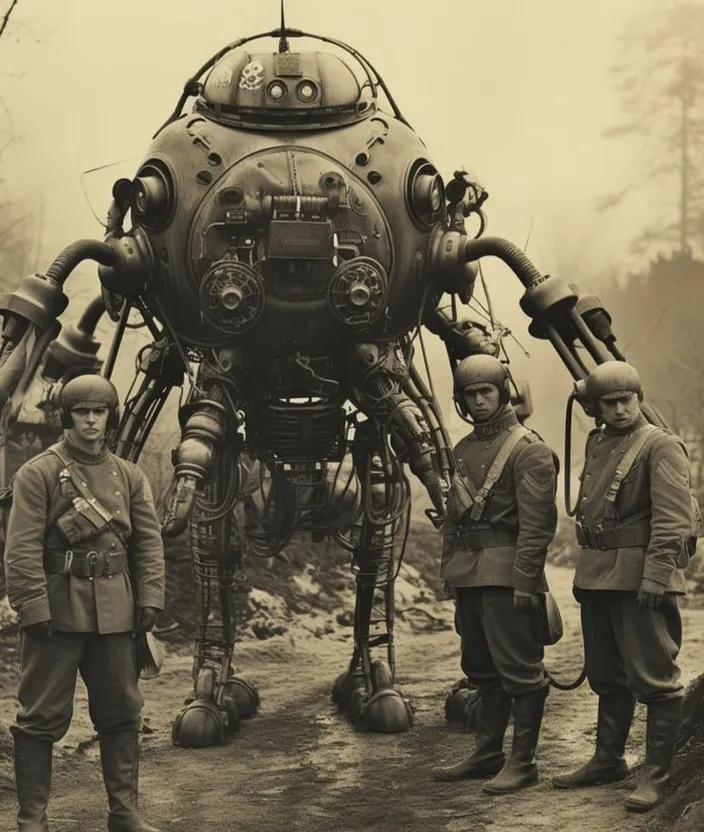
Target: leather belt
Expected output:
[483,538]
[589,538]
[92,564]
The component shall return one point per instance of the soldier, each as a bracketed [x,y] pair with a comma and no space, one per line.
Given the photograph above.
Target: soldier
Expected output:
[634,521]
[501,517]
[83,577]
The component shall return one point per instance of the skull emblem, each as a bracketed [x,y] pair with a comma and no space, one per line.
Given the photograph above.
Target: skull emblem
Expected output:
[252,76]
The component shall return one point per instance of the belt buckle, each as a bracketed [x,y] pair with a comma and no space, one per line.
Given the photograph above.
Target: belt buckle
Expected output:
[68,560]
[92,559]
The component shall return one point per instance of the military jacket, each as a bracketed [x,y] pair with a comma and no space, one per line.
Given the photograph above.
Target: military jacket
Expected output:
[519,518]
[74,603]
[654,493]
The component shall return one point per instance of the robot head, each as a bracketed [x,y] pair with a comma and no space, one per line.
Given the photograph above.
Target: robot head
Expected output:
[89,390]
[611,380]
[298,90]
[479,370]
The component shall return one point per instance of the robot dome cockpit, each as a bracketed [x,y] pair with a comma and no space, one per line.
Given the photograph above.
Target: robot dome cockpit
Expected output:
[308,205]
[280,90]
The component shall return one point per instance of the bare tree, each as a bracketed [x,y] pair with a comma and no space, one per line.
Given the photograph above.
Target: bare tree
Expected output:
[6,17]
[17,223]
[661,85]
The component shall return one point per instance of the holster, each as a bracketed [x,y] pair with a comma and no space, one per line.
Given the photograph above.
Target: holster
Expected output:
[550,629]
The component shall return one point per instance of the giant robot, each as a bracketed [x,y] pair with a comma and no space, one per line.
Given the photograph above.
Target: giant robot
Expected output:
[284,240]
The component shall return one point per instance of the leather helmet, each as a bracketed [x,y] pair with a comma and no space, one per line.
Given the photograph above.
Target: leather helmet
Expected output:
[611,380]
[481,369]
[89,390]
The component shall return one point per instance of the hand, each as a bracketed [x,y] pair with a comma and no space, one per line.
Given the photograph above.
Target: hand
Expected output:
[650,594]
[448,593]
[525,600]
[40,631]
[147,619]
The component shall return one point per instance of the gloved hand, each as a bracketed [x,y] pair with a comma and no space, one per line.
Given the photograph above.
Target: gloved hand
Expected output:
[147,619]
[525,600]
[448,593]
[650,594]
[40,631]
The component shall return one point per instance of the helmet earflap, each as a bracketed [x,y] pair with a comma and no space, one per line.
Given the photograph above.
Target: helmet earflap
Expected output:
[460,403]
[66,420]
[505,392]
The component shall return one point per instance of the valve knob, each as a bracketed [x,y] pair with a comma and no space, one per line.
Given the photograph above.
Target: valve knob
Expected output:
[231,297]
[359,294]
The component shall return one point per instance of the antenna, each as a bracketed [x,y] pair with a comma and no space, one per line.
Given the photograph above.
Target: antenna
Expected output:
[283,40]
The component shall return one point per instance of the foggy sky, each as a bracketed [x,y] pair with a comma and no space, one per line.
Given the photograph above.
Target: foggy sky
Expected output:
[516,91]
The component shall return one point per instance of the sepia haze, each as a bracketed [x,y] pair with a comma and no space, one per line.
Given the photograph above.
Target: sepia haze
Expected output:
[517,92]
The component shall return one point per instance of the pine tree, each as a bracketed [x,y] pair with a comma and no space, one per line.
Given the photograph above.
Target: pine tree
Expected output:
[660,82]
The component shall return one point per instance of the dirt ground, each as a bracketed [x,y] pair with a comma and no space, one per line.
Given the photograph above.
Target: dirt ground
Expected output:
[298,765]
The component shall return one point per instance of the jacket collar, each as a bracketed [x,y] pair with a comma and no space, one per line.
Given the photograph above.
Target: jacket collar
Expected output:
[504,419]
[612,431]
[82,457]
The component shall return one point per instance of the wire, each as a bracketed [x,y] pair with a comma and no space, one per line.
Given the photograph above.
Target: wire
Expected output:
[85,192]
[486,294]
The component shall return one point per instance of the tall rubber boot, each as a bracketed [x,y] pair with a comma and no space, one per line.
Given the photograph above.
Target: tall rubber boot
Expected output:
[607,765]
[520,769]
[488,757]
[661,737]
[119,756]
[33,778]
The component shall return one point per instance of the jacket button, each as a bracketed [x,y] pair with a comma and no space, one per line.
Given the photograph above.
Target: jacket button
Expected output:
[117,493]
[118,511]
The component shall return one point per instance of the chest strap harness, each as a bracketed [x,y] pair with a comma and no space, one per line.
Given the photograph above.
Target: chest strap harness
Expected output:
[637,534]
[471,535]
[90,563]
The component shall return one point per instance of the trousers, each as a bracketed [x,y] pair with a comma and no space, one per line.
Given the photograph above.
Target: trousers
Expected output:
[500,647]
[627,648]
[49,671]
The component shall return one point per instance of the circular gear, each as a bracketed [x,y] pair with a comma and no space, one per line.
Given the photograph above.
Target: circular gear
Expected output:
[232,296]
[358,291]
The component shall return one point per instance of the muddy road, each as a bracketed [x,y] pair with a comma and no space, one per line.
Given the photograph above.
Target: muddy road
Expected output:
[297,765]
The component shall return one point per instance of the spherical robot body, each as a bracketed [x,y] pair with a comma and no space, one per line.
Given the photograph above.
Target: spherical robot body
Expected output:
[286,212]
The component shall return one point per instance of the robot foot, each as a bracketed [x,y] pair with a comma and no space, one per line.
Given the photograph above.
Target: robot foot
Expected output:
[244,695]
[203,723]
[384,711]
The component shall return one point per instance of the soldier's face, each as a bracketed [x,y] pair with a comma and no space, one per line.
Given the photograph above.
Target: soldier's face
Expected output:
[89,424]
[620,412]
[482,401]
